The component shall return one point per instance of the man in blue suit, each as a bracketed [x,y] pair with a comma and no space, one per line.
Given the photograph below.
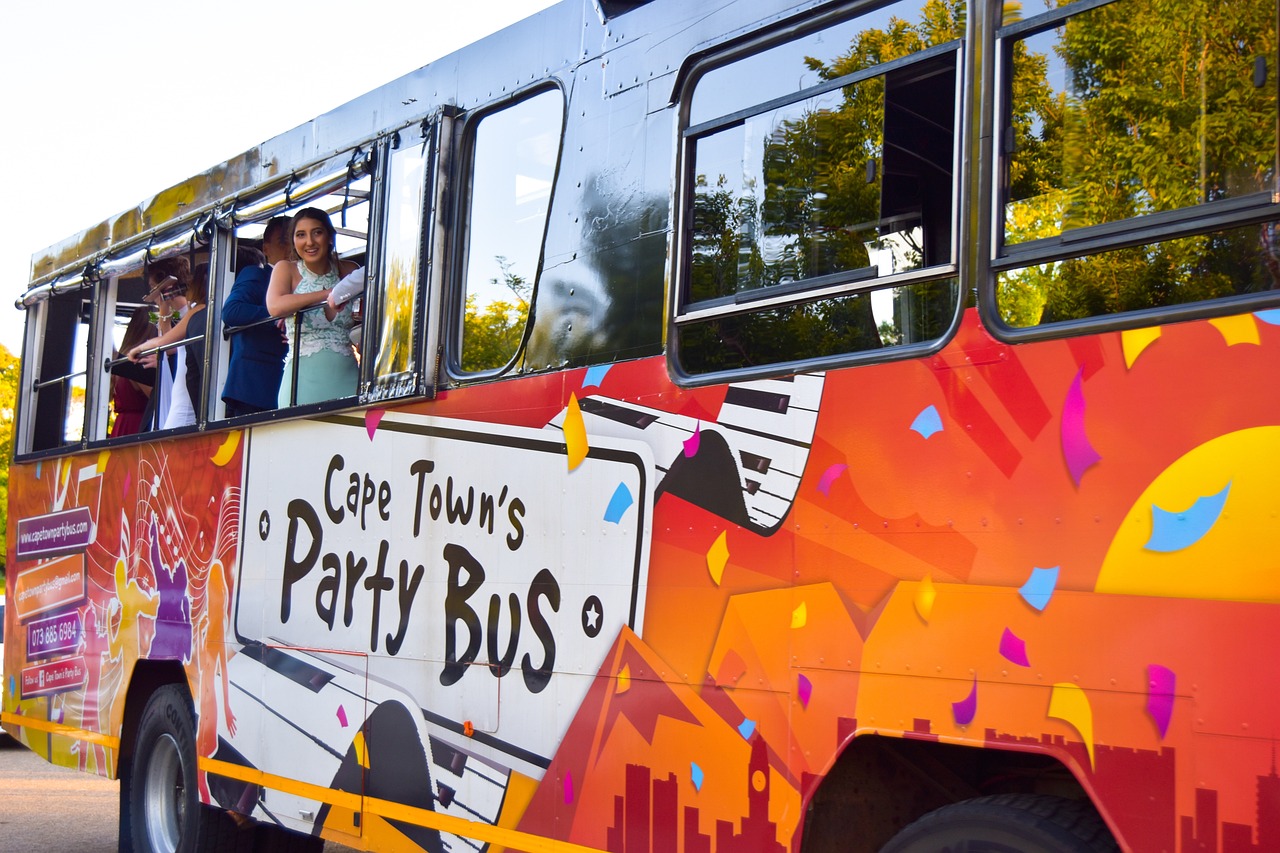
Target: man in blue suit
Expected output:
[257,353]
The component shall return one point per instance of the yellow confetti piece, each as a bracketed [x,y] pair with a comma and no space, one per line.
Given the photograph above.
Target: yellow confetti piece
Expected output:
[362,753]
[64,471]
[1241,329]
[1070,704]
[718,556]
[926,594]
[228,448]
[575,433]
[624,679]
[1134,341]
[799,616]
[102,462]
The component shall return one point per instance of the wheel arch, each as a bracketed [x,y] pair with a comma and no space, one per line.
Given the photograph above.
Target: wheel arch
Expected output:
[147,677]
[879,784]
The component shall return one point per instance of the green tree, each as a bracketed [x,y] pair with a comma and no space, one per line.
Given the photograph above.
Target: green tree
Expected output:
[491,333]
[9,373]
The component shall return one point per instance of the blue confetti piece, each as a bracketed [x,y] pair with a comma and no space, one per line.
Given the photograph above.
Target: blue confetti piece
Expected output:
[1271,316]
[746,729]
[1039,587]
[695,773]
[595,375]
[618,504]
[1173,531]
[927,422]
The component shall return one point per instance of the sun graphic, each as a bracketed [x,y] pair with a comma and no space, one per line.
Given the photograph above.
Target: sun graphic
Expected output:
[1207,527]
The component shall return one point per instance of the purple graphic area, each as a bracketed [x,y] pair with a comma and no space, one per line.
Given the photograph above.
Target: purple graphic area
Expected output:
[57,533]
[54,635]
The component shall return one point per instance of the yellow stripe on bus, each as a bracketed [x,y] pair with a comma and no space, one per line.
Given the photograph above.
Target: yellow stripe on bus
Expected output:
[394,811]
[109,741]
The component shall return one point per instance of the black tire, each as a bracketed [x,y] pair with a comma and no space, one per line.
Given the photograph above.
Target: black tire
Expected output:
[1007,823]
[164,810]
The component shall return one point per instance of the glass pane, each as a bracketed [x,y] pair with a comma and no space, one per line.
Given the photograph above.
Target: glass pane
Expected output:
[402,262]
[862,321]
[1125,110]
[790,194]
[790,68]
[516,151]
[61,379]
[1174,272]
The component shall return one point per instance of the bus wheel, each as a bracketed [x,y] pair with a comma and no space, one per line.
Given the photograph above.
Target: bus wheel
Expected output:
[165,814]
[1008,823]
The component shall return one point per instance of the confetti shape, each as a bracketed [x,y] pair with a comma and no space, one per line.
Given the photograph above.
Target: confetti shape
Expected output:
[747,728]
[595,375]
[1071,705]
[829,476]
[799,616]
[804,690]
[1013,648]
[693,442]
[624,679]
[342,716]
[927,422]
[618,504]
[1135,341]
[967,708]
[1039,588]
[1160,686]
[718,557]
[575,433]
[695,774]
[1076,449]
[568,787]
[227,449]
[1240,329]
[372,418]
[926,595]
[1173,531]
[1271,316]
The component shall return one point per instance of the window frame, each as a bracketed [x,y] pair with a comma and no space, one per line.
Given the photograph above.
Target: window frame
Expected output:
[1204,218]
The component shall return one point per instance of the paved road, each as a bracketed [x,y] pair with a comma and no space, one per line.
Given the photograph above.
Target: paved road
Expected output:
[45,808]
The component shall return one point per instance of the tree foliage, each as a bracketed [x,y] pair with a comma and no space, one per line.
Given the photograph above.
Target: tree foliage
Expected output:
[9,374]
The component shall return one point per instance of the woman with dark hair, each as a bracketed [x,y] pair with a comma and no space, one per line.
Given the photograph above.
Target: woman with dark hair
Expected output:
[129,396]
[180,410]
[326,363]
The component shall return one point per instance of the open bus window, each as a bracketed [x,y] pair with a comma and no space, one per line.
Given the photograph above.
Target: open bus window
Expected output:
[59,383]
[810,211]
[1139,154]
[398,361]
[514,155]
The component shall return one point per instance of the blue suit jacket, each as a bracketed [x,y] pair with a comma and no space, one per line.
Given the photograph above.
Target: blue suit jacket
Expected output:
[257,354]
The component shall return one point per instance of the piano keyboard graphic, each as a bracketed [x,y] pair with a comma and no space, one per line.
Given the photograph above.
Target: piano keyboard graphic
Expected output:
[466,788]
[766,426]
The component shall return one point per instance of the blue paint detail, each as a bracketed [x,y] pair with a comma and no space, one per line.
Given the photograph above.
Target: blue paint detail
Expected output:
[1173,531]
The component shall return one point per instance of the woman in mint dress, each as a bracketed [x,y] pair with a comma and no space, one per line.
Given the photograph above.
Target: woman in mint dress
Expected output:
[327,367]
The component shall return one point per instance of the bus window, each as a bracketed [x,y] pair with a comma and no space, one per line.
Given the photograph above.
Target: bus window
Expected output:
[59,381]
[811,213]
[395,345]
[1138,159]
[515,151]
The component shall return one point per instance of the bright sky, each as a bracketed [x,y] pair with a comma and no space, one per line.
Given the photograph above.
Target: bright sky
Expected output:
[106,103]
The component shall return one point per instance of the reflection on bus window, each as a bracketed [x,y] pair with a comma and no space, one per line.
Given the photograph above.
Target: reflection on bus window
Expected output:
[60,381]
[801,214]
[514,162]
[402,259]
[1121,120]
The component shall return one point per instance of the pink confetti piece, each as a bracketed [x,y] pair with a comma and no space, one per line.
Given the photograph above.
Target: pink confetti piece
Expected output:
[692,442]
[342,716]
[804,689]
[568,788]
[967,708]
[1160,686]
[829,476]
[1013,648]
[372,418]
[1076,449]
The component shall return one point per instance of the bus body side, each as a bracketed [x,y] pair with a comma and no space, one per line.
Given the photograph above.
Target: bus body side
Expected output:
[895,493]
